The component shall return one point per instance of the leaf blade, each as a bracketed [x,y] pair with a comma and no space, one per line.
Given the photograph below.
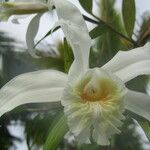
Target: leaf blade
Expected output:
[47,34]
[68,56]
[146,128]
[129,12]
[87,5]
[56,134]
[98,31]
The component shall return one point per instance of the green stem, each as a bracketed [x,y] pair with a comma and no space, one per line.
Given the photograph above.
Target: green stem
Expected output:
[101,22]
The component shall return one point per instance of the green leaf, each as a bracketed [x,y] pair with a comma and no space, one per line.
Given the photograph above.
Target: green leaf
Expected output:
[146,127]
[97,31]
[145,124]
[87,5]
[47,34]
[57,132]
[68,56]
[129,12]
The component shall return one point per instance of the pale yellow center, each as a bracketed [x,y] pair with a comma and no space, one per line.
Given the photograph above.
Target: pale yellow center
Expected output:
[97,88]
[101,90]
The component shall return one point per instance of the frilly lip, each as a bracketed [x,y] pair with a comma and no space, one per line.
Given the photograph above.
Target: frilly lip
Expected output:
[98,84]
[102,117]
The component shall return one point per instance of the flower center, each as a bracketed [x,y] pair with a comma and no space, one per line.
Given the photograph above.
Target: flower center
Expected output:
[100,90]
[97,86]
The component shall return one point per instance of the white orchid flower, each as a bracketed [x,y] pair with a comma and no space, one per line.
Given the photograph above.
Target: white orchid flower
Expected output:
[94,99]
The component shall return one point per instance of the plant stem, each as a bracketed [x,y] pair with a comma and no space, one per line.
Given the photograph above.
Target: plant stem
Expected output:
[101,22]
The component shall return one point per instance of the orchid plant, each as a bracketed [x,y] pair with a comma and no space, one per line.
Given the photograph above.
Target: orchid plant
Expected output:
[94,99]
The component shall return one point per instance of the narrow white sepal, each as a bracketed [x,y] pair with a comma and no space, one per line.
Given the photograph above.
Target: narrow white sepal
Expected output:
[138,103]
[31,34]
[39,86]
[76,32]
[134,70]
[52,95]
[70,31]
[125,58]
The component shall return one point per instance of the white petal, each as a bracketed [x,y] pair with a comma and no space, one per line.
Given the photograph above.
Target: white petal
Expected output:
[124,58]
[78,116]
[134,70]
[84,136]
[70,13]
[76,32]
[79,121]
[103,132]
[106,125]
[74,35]
[31,33]
[138,103]
[39,86]
[100,137]
[34,96]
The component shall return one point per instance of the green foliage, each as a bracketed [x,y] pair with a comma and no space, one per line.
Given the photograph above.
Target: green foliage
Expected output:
[129,12]
[98,31]
[128,139]
[68,56]
[146,127]
[87,5]
[144,32]
[108,44]
[47,34]
[36,128]
[57,132]
[6,139]
[50,62]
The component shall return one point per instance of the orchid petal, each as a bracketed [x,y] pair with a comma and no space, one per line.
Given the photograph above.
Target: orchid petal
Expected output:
[138,103]
[124,58]
[73,34]
[34,96]
[100,136]
[38,86]
[134,70]
[76,32]
[31,33]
